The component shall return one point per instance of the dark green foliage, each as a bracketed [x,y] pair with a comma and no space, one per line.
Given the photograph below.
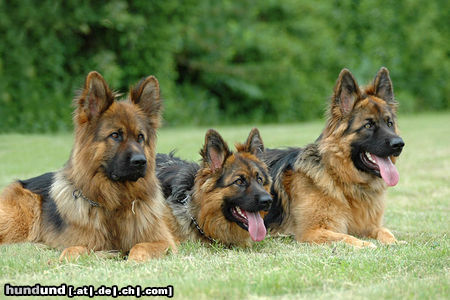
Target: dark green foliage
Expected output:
[218,61]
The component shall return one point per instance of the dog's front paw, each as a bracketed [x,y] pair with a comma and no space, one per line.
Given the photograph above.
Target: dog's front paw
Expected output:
[139,254]
[384,236]
[72,253]
[368,245]
[144,251]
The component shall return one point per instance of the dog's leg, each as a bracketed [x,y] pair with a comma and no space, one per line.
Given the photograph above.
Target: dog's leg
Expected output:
[385,236]
[320,236]
[19,214]
[72,253]
[144,251]
[13,227]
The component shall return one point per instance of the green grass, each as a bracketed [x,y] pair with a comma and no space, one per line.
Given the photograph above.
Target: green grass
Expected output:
[417,212]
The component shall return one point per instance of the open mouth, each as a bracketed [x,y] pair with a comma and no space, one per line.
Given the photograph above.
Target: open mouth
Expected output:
[239,215]
[369,162]
[251,221]
[381,166]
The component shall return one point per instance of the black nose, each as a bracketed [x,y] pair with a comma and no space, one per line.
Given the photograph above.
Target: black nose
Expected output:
[265,201]
[396,143]
[138,161]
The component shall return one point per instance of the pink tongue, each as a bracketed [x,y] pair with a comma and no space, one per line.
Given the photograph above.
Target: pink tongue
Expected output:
[256,226]
[388,171]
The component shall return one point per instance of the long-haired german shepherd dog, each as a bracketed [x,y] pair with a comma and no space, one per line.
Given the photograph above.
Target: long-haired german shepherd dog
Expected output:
[333,189]
[107,196]
[225,198]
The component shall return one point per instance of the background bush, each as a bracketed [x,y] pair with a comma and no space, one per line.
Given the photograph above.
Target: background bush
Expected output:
[218,61]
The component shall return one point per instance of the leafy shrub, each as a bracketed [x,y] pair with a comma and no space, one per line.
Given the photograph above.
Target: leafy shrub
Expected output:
[218,61]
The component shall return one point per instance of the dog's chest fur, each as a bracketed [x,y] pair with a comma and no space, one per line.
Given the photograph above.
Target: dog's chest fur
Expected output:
[96,227]
[306,181]
[354,208]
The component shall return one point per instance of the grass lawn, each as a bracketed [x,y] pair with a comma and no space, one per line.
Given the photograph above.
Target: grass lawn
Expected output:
[418,211]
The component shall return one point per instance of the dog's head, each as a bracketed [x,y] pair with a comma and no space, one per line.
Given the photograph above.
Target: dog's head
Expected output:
[116,138]
[365,120]
[236,188]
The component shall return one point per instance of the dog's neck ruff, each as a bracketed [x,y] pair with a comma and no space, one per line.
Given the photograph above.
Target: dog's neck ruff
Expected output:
[78,194]
[185,201]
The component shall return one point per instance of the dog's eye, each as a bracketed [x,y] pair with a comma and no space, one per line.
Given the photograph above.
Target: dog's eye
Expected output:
[390,124]
[115,136]
[240,181]
[259,180]
[140,138]
[368,125]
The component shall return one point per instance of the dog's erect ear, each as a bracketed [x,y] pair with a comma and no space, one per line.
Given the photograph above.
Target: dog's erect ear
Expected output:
[215,151]
[146,96]
[254,143]
[346,93]
[95,98]
[383,86]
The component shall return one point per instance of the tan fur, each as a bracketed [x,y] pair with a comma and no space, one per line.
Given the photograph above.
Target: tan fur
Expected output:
[206,207]
[73,253]
[326,198]
[131,213]
[207,198]
[209,202]
[19,214]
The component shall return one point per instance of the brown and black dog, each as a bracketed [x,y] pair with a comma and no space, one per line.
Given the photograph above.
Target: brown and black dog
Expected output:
[107,196]
[225,198]
[333,189]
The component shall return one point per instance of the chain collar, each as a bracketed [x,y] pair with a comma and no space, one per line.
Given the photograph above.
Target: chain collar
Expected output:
[78,194]
[185,203]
